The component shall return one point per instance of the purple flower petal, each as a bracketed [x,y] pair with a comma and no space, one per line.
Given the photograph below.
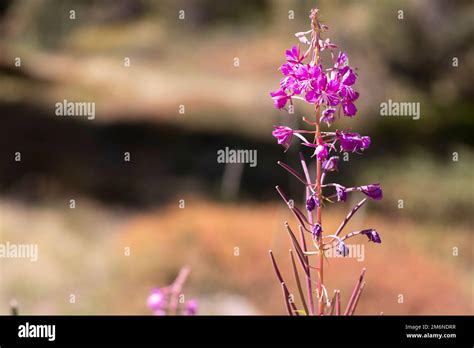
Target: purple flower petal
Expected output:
[328,116]
[348,78]
[283,135]
[331,164]
[293,55]
[280,98]
[373,191]
[342,249]
[321,152]
[349,109]
[352,141]
[311,203]
[341,193]
[316,231]
[372,235]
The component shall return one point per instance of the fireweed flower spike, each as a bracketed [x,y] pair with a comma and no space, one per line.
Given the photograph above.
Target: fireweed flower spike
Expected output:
[331,92]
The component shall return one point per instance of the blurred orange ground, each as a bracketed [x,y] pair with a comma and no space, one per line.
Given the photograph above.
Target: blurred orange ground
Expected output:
[204,235]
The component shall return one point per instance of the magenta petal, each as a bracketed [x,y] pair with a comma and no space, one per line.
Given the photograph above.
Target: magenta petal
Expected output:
[280,98]
[311,96]
[349,78]
[349,109]
[373,191]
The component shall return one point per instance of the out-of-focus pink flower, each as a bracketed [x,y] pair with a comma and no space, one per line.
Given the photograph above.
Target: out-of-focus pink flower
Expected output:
[156,300]
[326,44]
[191,307]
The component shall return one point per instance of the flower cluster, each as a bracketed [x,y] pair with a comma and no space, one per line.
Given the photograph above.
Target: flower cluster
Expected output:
[329,89]
[331,92]
[168,300]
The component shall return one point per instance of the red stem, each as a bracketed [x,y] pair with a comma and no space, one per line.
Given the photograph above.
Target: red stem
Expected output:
[318,220]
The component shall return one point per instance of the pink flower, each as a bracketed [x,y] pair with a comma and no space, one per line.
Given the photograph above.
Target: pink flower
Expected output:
[287,69]
[328,116]
[326,44]
[352,141]
[306,74]
[373,191]
[321,150]
[283,135]
[372,235]
[191,307]
[156,300]
[349,109]
[280,98]
[341,60]
[348,76]
[331,164]
[324,91]
[293,55]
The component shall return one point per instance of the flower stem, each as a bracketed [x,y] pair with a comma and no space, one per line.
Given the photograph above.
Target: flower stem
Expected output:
[318,214]
[303,241]
[176,288]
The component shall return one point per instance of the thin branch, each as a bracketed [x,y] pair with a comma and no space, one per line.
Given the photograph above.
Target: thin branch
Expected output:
[305,169]
[333,303]
[285,297]
[292,171]
[290,307]
[338,302]
[298,283]
[354,306]
[307,270]
[176,288]
[275,267]
[349,216]
[297,247]
[14,307]
[299,215]
[354,292]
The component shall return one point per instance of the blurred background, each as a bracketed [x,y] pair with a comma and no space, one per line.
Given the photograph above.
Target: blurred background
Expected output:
[198,80]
